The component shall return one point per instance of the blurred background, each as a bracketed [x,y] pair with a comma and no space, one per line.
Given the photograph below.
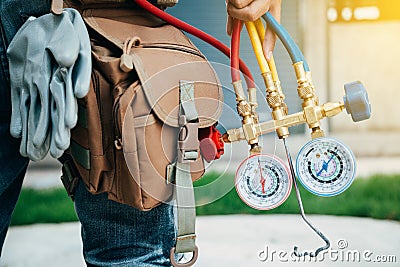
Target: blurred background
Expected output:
[343,41]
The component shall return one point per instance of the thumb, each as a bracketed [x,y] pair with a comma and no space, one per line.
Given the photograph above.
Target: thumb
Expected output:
[229,26]
[270,36]
[82,68]
[269,43]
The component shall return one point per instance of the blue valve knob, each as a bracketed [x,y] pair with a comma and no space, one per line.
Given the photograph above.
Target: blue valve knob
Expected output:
[356,101]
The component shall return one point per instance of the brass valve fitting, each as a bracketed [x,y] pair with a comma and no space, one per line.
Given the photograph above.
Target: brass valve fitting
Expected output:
[249,117]
[275,99]
[306,91]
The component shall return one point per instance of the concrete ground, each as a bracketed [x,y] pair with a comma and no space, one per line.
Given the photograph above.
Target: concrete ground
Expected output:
[236,240]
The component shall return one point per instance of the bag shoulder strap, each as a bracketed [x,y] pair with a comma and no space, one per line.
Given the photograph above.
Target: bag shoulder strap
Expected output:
[188,151]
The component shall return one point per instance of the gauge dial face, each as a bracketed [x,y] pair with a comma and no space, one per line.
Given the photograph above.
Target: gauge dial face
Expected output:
[325,167]
[263,182]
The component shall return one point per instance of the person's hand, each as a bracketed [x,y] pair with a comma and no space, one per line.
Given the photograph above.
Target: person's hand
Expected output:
[251,10]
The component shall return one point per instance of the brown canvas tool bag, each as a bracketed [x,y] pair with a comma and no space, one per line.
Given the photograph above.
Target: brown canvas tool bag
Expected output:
[126,141]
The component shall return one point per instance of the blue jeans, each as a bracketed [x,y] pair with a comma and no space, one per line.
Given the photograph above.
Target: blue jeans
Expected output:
[118,235]
[113,234]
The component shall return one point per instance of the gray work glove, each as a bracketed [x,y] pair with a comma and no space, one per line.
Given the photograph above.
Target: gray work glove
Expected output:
[82,69]
[70,79]
[64,47]
[50,65]
[30,71]
[55,152]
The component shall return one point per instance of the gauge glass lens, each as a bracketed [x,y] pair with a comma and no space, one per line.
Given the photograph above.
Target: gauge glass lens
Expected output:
[325,167]
[263,182]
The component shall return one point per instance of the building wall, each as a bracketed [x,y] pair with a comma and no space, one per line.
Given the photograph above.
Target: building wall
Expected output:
[368,52]
[210,16]
[342,52]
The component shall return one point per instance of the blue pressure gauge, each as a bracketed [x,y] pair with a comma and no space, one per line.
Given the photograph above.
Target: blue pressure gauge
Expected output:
[325,167]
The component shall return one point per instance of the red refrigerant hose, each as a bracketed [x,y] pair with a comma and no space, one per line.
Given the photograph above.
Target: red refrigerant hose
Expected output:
[235,45]
[198,33]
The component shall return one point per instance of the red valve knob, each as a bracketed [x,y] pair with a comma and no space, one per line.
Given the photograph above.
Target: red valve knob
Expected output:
[211,144]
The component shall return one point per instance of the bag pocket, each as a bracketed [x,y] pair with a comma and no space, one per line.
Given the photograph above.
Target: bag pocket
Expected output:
[145,147]
[89,139]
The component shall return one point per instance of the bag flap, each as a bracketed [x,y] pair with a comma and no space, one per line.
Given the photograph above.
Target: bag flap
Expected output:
[164,57]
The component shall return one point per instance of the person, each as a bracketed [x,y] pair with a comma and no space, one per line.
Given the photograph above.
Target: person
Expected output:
[113,234]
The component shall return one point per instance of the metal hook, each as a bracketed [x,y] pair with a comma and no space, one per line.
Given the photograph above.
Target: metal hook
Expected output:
[303,215]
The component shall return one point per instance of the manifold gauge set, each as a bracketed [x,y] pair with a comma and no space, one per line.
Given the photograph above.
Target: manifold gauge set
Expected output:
[324,166]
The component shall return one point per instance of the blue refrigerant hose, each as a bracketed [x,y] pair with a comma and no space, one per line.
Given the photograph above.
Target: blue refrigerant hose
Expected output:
[294,51]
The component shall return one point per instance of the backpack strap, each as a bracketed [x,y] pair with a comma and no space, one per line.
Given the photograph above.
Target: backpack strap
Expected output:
[188,151]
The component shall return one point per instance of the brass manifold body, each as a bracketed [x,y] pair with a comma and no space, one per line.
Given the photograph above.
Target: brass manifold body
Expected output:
[311,115]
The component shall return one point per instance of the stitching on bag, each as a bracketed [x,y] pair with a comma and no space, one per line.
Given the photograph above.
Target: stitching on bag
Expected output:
[144,121]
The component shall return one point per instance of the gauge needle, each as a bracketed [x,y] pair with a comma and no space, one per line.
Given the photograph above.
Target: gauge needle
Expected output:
[262,179]
[325,165]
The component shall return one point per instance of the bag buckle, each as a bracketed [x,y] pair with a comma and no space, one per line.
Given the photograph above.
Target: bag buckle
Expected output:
[188,142]
[70,177]
[187,264]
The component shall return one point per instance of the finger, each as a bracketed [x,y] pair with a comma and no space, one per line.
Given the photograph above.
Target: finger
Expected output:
[270,36]
[64,44]
[229,25]
[16,121]
[42,127]
[81,74]
[24,106]
[269,43]
[250,12]
[34,153]
[59,133]
[83,66]
[240,3]
[38,153]
[71,106]
[55,152]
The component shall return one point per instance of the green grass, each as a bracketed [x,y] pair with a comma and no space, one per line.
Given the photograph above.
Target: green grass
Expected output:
[377,197]
[43,206]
